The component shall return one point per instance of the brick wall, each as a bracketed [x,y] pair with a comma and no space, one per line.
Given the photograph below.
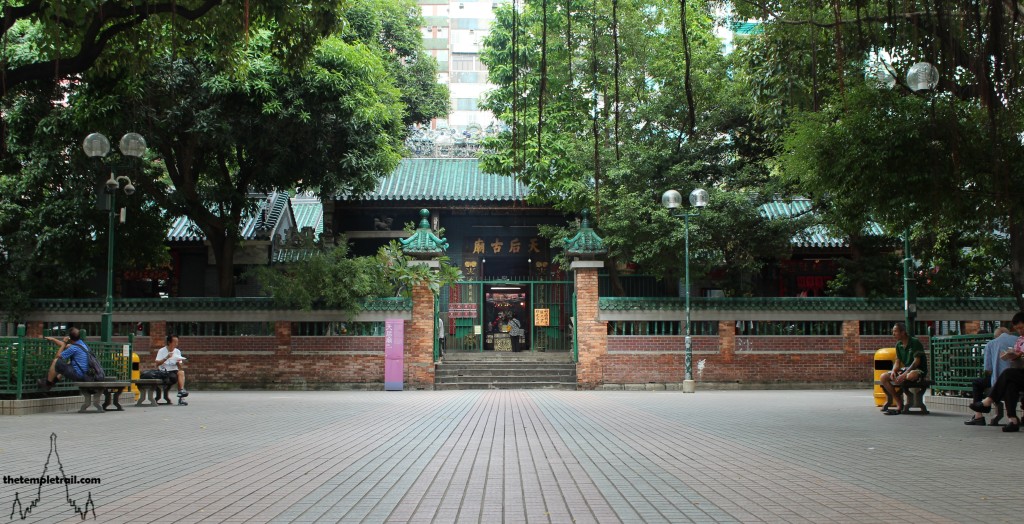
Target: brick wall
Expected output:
[735,359]
[281,361]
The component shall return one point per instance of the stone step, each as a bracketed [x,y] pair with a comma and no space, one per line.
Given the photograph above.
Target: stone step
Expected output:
[445,372]
[504,380]
[569,386]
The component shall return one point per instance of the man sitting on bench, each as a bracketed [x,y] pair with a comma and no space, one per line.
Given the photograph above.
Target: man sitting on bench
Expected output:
[907,350]
[71,363]
[168,359]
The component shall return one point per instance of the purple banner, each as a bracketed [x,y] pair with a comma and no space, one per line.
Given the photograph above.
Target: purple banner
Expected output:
[394,349]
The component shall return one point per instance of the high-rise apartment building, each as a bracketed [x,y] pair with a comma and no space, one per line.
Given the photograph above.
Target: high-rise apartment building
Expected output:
[454,32]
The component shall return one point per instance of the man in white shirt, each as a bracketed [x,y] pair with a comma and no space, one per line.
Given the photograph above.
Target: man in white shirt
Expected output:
[167,359]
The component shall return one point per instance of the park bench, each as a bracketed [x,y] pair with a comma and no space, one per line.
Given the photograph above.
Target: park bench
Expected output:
[151,390]
[110,391]
[913,394]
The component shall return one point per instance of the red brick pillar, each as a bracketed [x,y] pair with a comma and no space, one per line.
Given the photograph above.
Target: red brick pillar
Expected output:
[34,329]
[419,340]
[851,337]
[283,334]
[972,327]
[591,333]
[157,334]
[727,340]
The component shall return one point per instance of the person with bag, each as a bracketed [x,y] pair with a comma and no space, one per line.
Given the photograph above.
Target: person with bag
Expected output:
[168,360]
[71,363]
[515,331]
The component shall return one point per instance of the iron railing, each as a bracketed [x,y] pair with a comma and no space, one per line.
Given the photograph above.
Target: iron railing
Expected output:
[25,360]
[956,361]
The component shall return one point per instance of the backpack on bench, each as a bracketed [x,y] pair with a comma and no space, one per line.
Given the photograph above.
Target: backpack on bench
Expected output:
[165,376]
[94,370]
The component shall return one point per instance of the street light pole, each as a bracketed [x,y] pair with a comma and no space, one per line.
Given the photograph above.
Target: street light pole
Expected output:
[909,293]
[672,200]
[97,146]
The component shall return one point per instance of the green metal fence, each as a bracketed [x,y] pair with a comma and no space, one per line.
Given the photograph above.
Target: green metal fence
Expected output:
[956,361]
[24,360]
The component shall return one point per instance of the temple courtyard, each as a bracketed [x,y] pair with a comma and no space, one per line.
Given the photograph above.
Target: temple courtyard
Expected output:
[509,456]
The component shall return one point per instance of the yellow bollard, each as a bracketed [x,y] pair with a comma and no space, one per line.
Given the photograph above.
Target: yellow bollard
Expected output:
[135,374]
[884,360]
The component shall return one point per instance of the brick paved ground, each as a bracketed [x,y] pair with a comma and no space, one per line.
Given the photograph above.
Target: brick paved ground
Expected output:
[516,456]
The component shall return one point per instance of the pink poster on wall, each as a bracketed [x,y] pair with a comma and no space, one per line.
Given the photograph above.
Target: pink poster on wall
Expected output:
[394,349]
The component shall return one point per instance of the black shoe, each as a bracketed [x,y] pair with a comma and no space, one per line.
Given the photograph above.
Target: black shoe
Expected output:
[886,406]
[1011,428]
[980,408]
[975,422]
[182,402]
[897,412]
[182,393]
[44,384]
[996,421]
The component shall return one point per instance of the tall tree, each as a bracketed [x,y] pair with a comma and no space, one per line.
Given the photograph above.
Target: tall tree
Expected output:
[621,124]
[941,161]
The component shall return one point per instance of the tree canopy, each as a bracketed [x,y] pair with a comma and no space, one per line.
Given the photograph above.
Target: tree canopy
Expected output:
[610,103]
[308,94]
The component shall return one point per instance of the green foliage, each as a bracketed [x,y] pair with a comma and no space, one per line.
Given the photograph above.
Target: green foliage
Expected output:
[53,239]
[330,123]
[332,279]
[395,269]
[659,147]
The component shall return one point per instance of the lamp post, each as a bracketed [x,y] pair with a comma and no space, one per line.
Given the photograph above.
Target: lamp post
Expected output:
[672,200]
[97,146]
[922,78]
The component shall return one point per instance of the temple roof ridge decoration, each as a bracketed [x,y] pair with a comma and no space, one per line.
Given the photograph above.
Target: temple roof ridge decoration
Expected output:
[586,244]
[424,244]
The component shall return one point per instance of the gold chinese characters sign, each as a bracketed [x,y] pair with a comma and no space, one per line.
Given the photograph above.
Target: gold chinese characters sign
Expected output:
[504,246]
[542,317]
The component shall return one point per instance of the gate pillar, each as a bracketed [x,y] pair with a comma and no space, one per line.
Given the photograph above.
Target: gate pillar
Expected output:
[591,333]
[426,248]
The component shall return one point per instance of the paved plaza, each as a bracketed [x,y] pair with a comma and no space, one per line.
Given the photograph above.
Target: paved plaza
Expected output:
[513,456]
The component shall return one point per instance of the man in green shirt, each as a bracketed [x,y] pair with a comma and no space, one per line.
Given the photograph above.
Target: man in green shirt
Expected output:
[911,365]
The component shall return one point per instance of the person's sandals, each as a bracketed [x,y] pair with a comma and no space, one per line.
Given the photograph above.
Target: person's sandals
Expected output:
[975,422]
[886,406]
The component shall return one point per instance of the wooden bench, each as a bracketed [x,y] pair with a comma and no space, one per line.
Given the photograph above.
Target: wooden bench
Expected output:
[913,394]
[111,391]
[152,390]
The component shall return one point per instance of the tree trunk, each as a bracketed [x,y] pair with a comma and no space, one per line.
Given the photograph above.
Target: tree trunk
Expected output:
[1016,229]
[223,245]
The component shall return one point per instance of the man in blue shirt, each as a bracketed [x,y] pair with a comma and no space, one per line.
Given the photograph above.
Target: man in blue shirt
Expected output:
[71,363]
[994,366]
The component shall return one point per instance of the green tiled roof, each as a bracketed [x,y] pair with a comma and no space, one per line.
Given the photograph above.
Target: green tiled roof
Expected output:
[806,304]
[309,212]
[816,235]
[444,179]
[747,28]
[257,224]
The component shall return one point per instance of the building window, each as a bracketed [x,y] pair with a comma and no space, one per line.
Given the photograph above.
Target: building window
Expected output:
[466,104]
